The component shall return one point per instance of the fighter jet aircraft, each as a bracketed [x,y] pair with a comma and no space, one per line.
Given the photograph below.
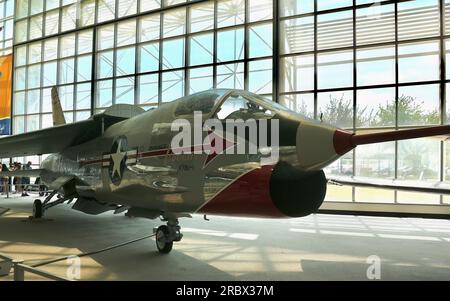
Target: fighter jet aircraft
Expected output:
[125,159]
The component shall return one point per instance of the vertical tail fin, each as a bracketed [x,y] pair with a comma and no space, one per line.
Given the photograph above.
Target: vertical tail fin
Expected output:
[58,115]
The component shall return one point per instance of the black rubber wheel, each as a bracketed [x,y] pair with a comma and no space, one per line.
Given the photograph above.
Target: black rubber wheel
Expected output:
[38,210]
[164,246]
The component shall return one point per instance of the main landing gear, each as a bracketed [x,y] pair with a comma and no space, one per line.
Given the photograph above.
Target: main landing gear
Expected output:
[40,207]
[167,235]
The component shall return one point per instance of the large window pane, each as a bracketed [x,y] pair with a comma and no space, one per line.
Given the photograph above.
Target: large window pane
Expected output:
[230,44]
[34,76]
[418,105]
[335,30]
[335,69]
[34,53]
[21,56]
[174,22]
[125,90]
[84,68]
[200,79]
[20,78]
[297,73]
[300,103]
[66,71]
[125,61]
[52,23]
[376,66]
[21,31]
[67,45]
[149,57]
[148,89]
[104,93]
[127,7]
[66,97]
[147,5]
[19,103]
[418,62]
[172,85]
[21,8]
[375,25]
[377,160]
[50,49]
[297,35]
[418,19]
[230,76]
[50,74]
[106,37]
[230,12]
[201,49]
[84,39]
[33,101]
[149,28]
[376,108]
[83,96]
[126,33]
[36,27]
[106,10]
[32,123]
[69,17]
[105,63]
[260,10]
[19,125]
[419,159]
[296,7]
[260,77]
[260,40]
[327,4]
[336,108]
[202,17]
[87,12]
[173,54]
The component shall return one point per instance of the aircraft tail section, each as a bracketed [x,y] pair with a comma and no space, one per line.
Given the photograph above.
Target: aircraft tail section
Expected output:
[58,115]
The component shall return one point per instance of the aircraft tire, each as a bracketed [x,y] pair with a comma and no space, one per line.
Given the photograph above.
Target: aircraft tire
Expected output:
[164,246]
[38,210]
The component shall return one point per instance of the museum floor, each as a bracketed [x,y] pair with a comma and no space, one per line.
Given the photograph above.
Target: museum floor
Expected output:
[319,247]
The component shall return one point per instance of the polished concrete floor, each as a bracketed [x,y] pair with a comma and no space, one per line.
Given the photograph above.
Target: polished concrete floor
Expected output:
[318,247]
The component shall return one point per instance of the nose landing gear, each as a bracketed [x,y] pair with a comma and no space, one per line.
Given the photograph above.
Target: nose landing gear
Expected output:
[167,235]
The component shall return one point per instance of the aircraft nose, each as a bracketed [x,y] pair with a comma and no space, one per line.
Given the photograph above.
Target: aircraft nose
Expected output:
[318,145]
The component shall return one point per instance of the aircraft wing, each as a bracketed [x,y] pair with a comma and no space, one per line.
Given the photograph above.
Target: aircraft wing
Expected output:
[58,138]
[412,186]
[50,140]
[32,173]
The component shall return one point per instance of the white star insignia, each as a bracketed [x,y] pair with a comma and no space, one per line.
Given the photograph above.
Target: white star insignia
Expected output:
[117,159]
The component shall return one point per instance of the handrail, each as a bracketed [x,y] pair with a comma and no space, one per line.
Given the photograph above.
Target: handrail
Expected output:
[19,269]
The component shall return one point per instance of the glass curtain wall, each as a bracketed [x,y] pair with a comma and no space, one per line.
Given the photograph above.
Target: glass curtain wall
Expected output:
[358,64]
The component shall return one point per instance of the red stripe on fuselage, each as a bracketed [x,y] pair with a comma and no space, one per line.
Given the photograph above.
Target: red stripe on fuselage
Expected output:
[248,196]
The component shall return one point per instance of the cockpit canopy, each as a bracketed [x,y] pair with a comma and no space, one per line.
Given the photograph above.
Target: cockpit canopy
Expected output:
[228,104]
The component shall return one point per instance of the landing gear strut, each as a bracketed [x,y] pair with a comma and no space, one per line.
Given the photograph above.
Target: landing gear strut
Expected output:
[40,207]
[167,235]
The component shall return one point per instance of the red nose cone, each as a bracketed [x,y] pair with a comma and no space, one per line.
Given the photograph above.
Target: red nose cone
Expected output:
[343,142]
